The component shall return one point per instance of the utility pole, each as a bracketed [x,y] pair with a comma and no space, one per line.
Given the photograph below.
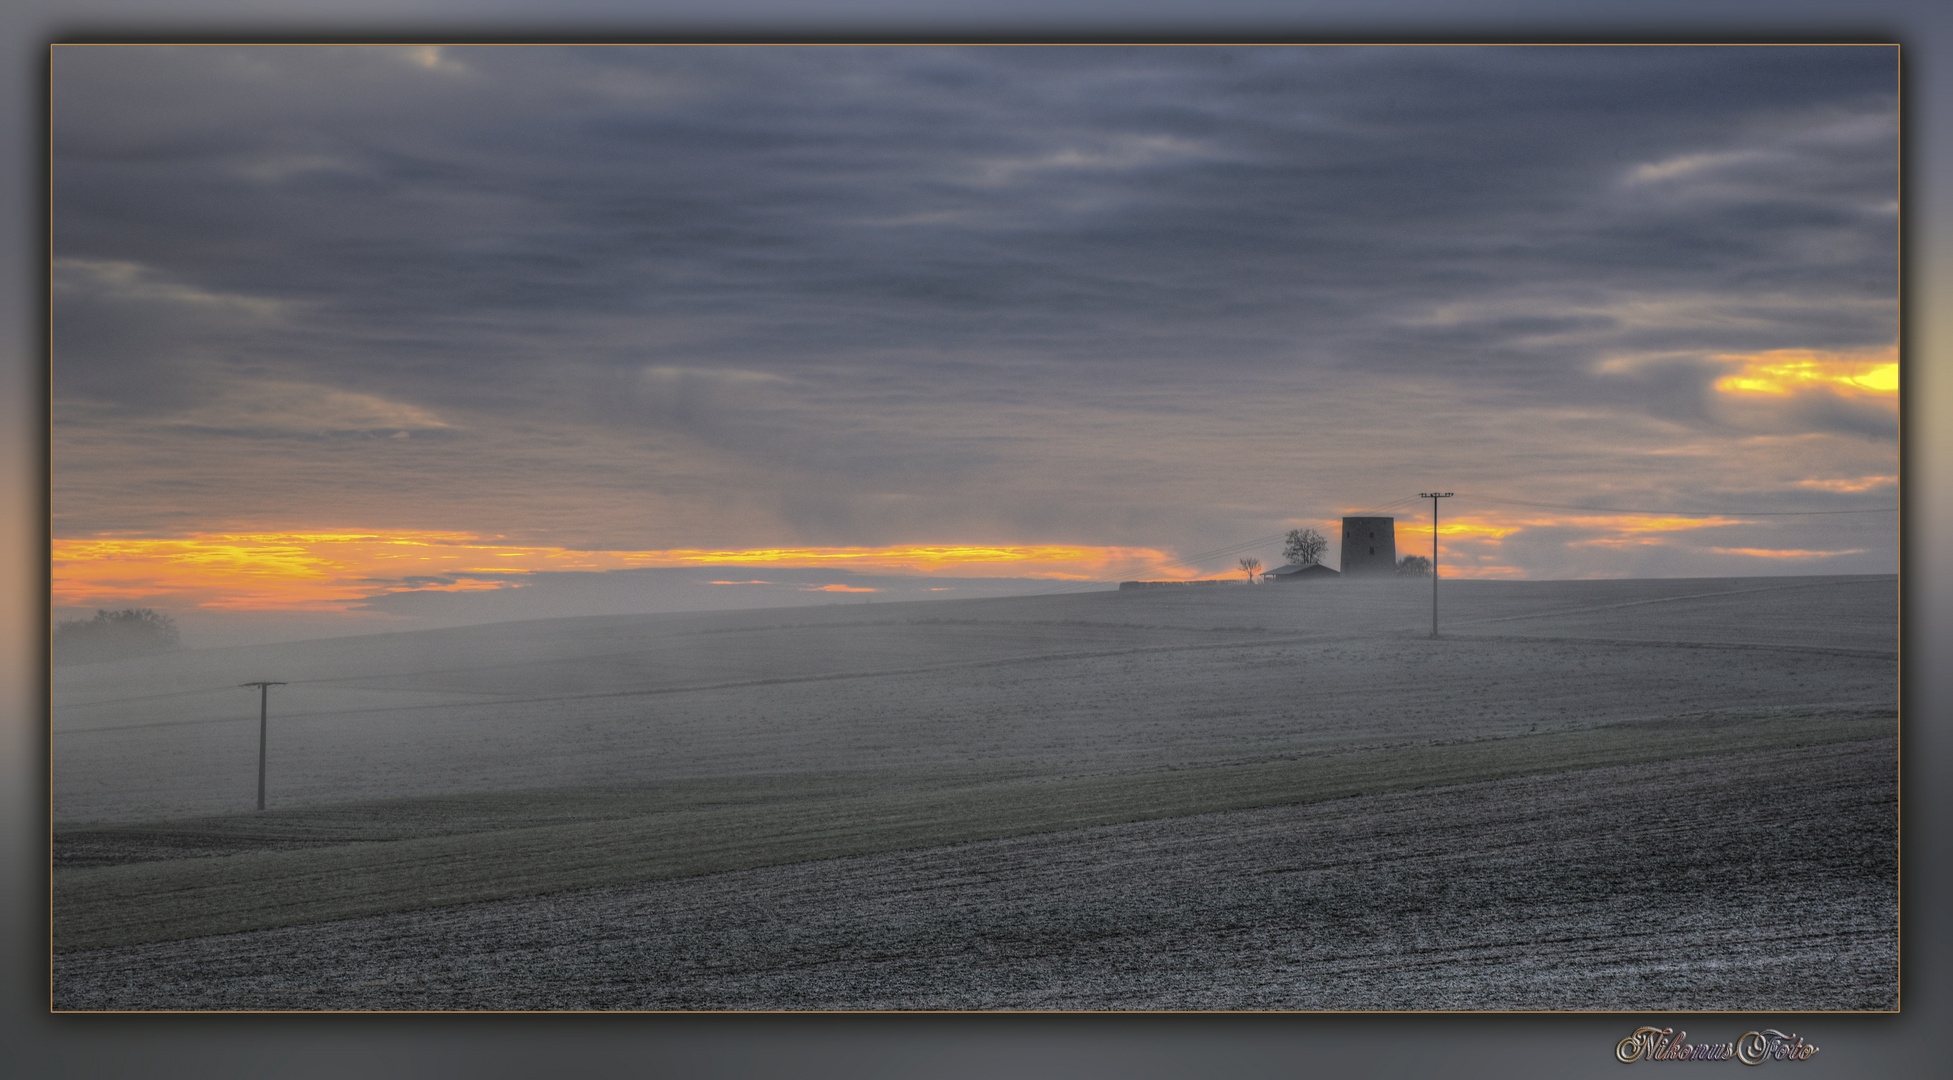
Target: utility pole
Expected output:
[1434,496]
[264,701]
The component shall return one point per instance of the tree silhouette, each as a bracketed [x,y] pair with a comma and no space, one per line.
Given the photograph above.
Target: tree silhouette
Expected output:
[1248,566]
[114,635]
[1304,546]
[1413,566]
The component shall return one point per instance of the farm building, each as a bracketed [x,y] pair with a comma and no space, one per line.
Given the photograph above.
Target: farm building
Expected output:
[1370,546]
[1300,572]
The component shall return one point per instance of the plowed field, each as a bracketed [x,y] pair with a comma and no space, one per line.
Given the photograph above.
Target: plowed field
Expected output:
[1754,881]
[1586,795]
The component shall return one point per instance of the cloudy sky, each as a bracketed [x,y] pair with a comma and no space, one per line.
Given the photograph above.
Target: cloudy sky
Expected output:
[379,335]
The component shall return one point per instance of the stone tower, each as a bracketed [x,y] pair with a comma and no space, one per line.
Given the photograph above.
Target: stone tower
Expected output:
[1370,546]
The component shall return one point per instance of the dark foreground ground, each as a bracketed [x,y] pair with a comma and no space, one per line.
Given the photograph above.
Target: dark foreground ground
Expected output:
[1755,881]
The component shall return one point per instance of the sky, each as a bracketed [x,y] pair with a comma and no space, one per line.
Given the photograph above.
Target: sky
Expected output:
[365,337]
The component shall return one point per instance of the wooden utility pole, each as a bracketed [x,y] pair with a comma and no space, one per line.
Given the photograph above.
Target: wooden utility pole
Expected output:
[1434,496]
[264,702]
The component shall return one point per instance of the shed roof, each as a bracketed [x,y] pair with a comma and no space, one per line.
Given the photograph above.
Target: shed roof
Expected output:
[1292,569]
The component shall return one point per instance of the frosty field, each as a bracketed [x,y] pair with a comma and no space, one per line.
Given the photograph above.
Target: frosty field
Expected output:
[1581,796]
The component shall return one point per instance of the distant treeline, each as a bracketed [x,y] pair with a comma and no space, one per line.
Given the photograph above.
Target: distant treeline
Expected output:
[1171,584]
[114,635]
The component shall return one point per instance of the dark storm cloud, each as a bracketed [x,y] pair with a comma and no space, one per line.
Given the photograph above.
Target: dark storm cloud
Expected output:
[864,268]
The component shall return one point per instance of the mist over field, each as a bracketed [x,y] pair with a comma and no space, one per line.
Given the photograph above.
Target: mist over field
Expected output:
[665,501]
[421,783]
[652,590]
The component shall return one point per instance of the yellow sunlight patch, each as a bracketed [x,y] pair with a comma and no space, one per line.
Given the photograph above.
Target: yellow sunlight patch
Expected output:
[1787,371]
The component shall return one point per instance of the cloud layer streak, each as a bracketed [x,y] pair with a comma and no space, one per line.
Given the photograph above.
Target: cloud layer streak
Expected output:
[636,299]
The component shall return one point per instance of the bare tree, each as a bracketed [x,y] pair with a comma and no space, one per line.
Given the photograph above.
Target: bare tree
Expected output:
[1304,546]
[1248,566]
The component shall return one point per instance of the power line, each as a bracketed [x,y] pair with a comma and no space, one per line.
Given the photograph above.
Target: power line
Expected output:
[145,697]
[1686,513]
[656,691]
[1374,510]
[357,678]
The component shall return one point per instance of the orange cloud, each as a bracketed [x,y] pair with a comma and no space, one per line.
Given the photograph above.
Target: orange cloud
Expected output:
[1476,526]
[461,585]
[925,559]
[1491,527]
[1637,523]
[334,571]
[1635,530]
[291,571]
[1860,483]
[1469,544]
[1787,371]
[1490,571]
[837,588]
[1770,553]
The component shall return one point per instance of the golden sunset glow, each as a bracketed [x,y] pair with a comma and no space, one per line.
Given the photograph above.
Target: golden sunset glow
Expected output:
[1465,526]
[1492,527]
[1469,544]
[1768,553]
[902,558]
[1479,571]
[329,571]
[1787,371]
[1852,484]
[1626,531]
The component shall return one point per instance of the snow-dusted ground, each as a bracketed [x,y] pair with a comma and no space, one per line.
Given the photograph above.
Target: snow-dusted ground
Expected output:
[1749,879]
[1061,685]
[1761,881]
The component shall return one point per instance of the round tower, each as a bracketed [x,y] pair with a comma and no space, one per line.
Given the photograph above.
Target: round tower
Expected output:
[1370,546]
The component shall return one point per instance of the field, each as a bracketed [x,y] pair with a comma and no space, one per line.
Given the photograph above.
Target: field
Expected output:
[1597,794]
